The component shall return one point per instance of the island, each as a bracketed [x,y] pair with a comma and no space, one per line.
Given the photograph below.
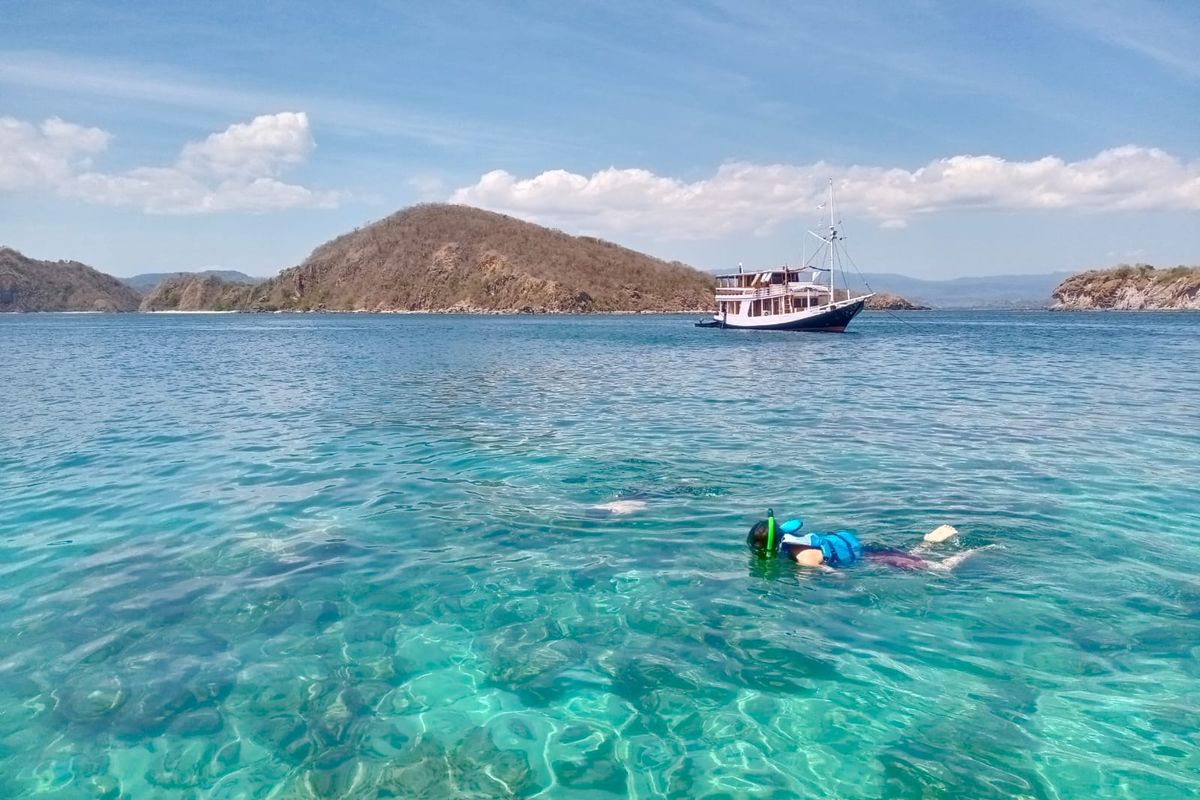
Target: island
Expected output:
[1139,287]
[886,301]
[451,258]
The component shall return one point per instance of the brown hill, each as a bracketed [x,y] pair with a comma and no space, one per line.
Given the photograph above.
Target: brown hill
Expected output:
[197,293]
[456,258]
[27,284]
[1130,288]
[148,280]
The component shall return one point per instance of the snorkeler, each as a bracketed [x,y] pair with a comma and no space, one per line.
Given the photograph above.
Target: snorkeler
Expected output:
[841,548]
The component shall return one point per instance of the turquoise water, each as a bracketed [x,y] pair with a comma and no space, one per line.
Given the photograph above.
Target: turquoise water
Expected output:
[356,556]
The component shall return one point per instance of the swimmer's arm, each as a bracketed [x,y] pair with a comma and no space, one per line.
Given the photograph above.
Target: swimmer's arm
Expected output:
[812,558]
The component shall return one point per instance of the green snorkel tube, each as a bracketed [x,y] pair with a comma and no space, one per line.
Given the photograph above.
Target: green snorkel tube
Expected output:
[767,535]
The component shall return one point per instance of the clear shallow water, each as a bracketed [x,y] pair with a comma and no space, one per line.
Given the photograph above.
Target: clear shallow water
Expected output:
[354,556]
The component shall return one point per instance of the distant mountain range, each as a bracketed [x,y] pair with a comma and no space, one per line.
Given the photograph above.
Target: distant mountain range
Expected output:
[147,281]
[998,291]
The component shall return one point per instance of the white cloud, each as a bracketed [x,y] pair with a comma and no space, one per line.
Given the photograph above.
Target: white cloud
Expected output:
[234,170]
[261,147]
[740,196]
[34,156]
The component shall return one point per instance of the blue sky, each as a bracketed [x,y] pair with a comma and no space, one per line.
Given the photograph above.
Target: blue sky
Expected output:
[963,138]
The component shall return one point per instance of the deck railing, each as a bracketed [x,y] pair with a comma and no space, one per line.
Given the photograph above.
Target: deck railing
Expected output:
[767,292]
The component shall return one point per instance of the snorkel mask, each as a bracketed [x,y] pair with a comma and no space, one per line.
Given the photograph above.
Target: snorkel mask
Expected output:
[766,537]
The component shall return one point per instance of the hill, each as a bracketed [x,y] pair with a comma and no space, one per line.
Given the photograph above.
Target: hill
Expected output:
[145,282]
[27,284]
[993,291]
[199,292]
[457,258]
[886,301]
[1130,288]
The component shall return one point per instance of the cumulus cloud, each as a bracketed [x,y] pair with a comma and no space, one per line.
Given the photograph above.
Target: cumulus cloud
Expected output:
[261,147]
[35,156]
[236,169]
[744,196]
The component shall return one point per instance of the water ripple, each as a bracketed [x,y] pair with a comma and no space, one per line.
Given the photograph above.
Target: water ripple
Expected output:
[359,556]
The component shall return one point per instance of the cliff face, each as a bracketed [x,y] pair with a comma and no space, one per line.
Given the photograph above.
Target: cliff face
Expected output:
[1126,288]
[197,293]
[455,258]
[27,284]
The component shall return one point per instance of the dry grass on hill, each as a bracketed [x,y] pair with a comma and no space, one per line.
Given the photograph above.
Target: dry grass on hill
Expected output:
[197,293]
[443,257]
[27,284]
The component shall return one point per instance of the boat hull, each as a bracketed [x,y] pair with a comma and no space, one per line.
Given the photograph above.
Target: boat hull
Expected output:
[834,320]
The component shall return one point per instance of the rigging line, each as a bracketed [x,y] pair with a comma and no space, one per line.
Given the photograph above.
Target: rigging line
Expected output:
[845,254]
[859,271]
[891,313]
[887,311]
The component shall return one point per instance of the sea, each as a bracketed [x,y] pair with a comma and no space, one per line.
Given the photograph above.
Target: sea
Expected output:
[367,556]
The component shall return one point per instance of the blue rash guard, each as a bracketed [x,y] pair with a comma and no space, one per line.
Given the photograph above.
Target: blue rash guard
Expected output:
[839,548]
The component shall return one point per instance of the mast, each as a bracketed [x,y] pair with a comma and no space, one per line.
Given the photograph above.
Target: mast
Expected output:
[828,254]
[832,247]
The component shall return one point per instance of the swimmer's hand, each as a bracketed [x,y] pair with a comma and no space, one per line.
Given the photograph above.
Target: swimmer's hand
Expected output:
[940,534]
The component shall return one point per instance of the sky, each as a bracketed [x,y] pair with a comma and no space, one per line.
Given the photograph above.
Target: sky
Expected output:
[982,138]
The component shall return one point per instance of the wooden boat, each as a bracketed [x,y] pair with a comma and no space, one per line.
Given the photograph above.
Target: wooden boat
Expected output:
[790,298]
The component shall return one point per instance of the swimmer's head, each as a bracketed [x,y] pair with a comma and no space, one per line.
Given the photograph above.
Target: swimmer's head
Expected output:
[764,537]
